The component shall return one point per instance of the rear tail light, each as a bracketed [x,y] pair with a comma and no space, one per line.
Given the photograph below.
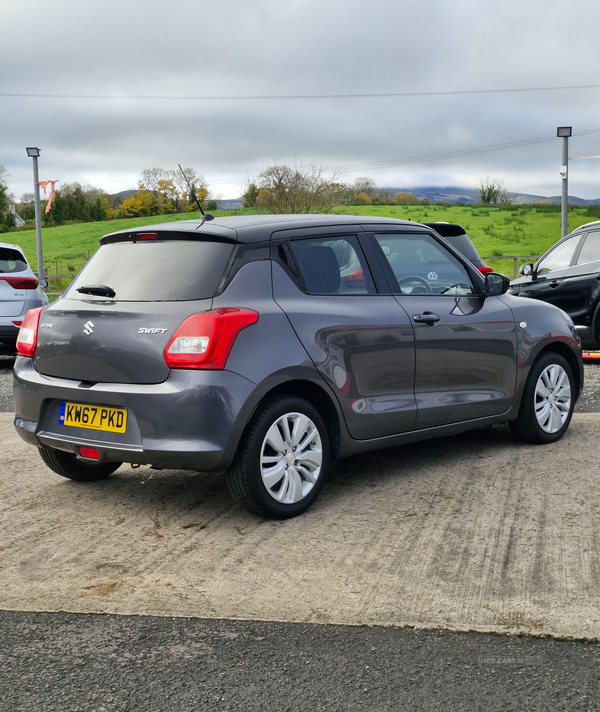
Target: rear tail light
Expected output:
[27,337]
[484,269]
[204,340]
[21,282]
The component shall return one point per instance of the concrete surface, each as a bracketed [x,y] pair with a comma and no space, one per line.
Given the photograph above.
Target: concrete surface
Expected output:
[476,532]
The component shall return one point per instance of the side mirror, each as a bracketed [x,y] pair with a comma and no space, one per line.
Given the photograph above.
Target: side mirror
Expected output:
[526,270]
[496,284]
[43,283]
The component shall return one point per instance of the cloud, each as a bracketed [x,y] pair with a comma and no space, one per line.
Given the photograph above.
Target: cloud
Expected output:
[296,48]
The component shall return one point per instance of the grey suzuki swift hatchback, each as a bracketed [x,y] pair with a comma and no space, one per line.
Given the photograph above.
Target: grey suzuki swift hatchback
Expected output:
[268,346]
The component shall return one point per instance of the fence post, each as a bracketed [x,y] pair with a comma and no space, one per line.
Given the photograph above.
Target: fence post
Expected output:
[515,268]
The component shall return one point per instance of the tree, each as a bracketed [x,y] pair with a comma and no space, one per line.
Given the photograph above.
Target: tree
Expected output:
[284,188]
[491,191]
[141,204]
[75,202]
[4,208]
[250,196]
[150,178]
[7,219]
[172,190]
[363,198]
[406,199]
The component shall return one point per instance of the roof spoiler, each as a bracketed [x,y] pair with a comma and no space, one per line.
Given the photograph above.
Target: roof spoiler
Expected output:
[446,229]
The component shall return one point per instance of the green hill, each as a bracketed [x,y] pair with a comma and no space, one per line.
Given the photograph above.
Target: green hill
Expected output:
[496,231]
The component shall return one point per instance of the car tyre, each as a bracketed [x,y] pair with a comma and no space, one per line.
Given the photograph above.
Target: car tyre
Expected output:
[548,401]
[282,460]
[67,465]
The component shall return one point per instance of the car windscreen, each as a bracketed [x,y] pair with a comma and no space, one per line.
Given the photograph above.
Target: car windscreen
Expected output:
[11,261]
[464,245]
[155,271]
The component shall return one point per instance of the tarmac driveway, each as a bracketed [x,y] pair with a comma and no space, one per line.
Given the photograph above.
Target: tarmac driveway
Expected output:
[474,532]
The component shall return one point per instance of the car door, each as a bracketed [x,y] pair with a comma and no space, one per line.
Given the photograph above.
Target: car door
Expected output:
[548,279]
[355,332]
[581,286]
[465,342]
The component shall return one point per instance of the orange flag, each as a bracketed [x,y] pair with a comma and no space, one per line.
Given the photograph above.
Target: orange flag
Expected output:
[43,185]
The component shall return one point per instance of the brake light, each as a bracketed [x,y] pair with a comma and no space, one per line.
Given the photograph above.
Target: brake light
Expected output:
[27,337]
[484,269]
[17,323]
[21,282]
[146,236]
[205,340]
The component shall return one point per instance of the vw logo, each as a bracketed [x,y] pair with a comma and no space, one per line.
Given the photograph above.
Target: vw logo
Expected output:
[88,328]
[432,277]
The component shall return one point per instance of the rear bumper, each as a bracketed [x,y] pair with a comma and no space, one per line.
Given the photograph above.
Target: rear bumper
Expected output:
[193,420]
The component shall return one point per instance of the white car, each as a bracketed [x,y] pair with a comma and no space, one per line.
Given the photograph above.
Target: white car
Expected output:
[20,291]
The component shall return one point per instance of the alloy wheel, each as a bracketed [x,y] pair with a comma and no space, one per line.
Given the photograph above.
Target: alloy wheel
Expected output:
[552,398]
[291,458]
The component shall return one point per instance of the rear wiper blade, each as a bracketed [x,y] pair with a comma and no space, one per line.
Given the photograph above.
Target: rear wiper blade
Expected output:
[98,290]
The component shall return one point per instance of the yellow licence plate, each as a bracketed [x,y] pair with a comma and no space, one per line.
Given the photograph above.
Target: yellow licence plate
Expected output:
[95,417]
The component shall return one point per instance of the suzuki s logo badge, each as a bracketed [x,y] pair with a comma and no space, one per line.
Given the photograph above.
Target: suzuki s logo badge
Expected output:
[88,328]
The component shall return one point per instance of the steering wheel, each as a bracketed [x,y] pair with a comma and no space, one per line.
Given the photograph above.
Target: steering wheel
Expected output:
[422,283]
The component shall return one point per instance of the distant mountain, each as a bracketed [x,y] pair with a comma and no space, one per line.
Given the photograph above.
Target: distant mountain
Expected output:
[451,194]
[454,194]
[230,204]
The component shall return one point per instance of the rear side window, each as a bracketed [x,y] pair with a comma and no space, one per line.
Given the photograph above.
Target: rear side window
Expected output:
[173,270]
[11,261]
[590,252]
[333,266]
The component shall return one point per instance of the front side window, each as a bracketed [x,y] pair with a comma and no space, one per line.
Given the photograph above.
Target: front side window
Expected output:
[560,257]
[333,265]
[422,266]
[590,252]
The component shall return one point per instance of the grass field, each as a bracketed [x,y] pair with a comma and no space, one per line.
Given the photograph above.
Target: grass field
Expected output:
[497,232]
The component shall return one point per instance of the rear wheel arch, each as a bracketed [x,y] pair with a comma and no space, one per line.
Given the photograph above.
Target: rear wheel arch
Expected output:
[318,397]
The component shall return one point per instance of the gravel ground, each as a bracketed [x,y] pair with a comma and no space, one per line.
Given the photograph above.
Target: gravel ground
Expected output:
[588,403]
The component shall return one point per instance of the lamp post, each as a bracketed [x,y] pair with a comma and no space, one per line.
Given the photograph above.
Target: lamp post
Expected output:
[34,153]
[564,132]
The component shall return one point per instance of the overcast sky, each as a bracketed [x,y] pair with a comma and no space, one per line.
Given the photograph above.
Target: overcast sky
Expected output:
[300,48]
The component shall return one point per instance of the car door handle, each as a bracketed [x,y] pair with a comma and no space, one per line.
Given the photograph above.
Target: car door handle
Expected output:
[427,318]
[553,285]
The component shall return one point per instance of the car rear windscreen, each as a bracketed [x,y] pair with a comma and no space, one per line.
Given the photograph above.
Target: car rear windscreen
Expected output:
[11,261]
[153,271]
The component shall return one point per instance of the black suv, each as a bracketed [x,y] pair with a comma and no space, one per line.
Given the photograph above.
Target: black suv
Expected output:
[568,276]
[269,346]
